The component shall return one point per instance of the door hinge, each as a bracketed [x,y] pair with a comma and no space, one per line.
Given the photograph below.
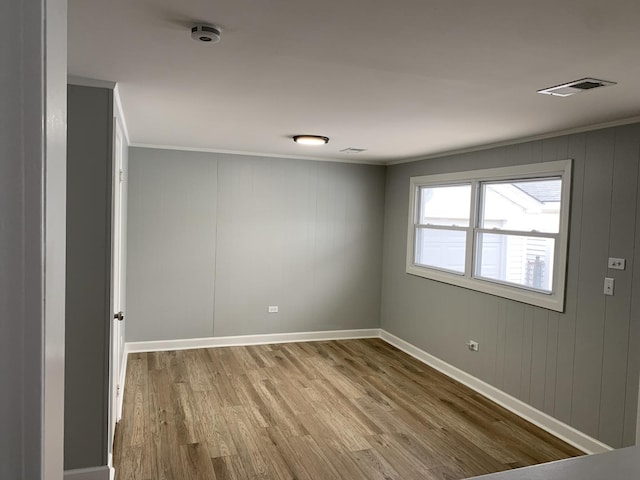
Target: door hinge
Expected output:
[121,176]
[117,390]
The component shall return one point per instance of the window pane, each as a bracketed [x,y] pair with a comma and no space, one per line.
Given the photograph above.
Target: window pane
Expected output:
[441,248]
[516,259]
[448,205]
[522,205]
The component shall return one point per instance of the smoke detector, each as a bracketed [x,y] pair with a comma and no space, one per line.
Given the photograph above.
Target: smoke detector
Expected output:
[206,33]
[577,86]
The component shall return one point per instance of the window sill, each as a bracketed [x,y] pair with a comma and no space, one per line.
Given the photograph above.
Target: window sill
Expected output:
[552,301]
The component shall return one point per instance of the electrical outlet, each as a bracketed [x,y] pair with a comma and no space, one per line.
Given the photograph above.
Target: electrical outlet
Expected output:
[473,345]
[617,263]
[273,309]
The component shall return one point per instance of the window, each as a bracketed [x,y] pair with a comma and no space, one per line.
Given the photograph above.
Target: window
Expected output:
[501,231]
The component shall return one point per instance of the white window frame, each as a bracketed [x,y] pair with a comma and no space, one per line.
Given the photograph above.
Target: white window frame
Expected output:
[551,301]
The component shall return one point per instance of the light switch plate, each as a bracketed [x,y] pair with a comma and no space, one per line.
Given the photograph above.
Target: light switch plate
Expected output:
[273,309]
[608,286]
[617,263]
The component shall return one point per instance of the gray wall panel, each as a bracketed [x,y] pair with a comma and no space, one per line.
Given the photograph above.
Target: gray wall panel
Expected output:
[171,243]
[527,353]
[513,348]
[501,341]
[32,166]
[572,364]
[89,188]
[305,236]
[632,409]
[596,205]
[617,308]
[565,330]
[551,381]
[539,345]
[308,238]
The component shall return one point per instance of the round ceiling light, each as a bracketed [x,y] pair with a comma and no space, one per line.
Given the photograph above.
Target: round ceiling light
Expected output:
[310,139]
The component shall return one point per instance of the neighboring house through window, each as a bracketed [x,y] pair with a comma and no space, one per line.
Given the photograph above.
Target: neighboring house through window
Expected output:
[501,231]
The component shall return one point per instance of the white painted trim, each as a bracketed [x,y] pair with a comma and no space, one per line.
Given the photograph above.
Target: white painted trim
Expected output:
[94,473]
[53,22]
[552,301]
[257,154]
[546,422]
[552,425]
[516,141]
[122,381]
[235,341]
[90,82]
[443,153]
[112,470]
[120,113]
[638,420]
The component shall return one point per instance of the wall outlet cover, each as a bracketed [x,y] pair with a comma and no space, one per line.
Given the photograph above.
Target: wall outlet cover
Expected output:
[617,263]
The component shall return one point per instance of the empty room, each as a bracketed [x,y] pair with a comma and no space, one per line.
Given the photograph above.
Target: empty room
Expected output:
[352,240]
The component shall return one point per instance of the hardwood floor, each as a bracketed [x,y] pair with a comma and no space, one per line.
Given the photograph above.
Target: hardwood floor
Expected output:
[353,409]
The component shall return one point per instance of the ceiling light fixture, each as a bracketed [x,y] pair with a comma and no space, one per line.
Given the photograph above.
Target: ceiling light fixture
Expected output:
[310,139]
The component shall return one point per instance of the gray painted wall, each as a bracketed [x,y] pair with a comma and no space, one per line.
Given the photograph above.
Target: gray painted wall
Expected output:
[32,125]
[214,239]
[15,248]
[89,195]
[171,244]
[580,366]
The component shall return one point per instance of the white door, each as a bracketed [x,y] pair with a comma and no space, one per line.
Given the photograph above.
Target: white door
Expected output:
[117,327]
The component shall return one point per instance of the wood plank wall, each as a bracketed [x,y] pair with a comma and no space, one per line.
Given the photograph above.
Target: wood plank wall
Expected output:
[221,237]
[580,366]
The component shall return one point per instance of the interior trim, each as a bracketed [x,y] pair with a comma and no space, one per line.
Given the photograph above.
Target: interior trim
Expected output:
[90,82]
[548,423]
[122,380]
[94,473]
[259,154]
[517,141]
[241,340]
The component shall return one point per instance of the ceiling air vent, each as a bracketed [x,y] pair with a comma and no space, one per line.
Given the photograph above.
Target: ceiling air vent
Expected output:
[353,150]
[577,86]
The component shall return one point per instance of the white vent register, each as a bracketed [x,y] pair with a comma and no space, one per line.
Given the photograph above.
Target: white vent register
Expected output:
[577,86]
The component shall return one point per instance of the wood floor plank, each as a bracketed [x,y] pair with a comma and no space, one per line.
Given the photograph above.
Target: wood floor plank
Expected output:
[295,463]
[246,439]
[373,465]
[211,423]
[351,409]
[196,464]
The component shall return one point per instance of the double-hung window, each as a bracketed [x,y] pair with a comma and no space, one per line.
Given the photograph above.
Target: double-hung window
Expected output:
[502,231]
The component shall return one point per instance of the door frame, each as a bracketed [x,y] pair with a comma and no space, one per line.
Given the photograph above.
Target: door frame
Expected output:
[116,343]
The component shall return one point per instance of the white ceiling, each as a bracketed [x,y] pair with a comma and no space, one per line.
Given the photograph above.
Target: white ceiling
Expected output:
[402,79]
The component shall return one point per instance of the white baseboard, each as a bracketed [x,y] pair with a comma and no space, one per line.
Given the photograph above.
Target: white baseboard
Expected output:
[548,423]
[235,341]
[94,473]
[552,425]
